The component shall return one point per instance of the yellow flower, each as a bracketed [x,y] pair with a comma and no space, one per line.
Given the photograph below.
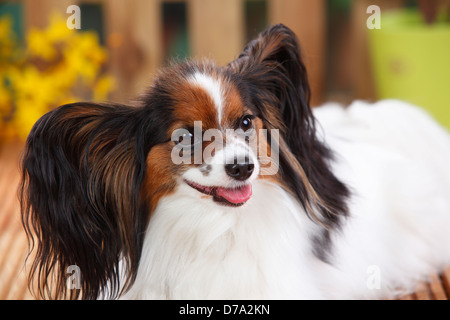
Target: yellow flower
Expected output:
[89,44]
[5,27]
[7,41]
[64,74]
[85,56]
[40,46]
[57,64]
[103,87]
[79,65]
[30,84]
[58,31]
[27,113]
[5,101]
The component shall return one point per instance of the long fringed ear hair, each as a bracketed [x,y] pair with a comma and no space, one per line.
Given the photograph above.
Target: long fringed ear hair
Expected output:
[84,166]
[274,78]
[82,171]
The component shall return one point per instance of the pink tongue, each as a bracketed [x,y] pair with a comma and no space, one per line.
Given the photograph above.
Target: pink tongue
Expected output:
[235,195]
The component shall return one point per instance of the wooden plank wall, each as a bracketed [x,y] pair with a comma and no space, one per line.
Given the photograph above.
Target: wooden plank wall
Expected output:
[216,30]
[308,20]
[134,39]
[133,36]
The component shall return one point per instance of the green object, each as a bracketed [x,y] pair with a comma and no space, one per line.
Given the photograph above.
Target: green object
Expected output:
[92,19]
[175,31]
[411,61]
[14,10]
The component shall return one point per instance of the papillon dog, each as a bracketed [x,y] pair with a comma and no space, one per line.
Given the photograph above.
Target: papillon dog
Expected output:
[222,183]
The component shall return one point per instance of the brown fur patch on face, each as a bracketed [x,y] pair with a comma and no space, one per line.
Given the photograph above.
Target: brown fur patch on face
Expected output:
[234,108]
[161,174]
[193,103]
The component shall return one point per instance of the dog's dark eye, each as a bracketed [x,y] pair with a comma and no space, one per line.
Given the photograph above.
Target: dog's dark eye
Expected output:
[246,123]
[186,138]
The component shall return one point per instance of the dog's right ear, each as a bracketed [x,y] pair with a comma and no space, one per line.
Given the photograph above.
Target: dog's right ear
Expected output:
[82,171]
[273,63]
[273,77]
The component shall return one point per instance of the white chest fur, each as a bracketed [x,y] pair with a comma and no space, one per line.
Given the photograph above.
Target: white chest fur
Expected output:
[199,250]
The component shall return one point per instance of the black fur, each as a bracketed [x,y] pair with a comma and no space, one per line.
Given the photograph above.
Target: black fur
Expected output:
[273,74]
[83,168]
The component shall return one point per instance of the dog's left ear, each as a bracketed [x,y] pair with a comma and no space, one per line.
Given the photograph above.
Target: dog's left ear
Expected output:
[272,64]
[82,173]
[274,79]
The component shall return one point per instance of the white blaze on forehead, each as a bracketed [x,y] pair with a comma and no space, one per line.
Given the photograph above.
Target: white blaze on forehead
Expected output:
[213,87]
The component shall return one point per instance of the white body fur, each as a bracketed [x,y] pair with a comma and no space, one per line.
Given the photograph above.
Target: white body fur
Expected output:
[395,160]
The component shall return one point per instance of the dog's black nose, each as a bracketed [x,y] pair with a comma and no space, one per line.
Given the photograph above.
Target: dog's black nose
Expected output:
[239,171]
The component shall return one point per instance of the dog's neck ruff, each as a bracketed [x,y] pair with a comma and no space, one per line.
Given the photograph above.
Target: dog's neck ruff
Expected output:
[202,250]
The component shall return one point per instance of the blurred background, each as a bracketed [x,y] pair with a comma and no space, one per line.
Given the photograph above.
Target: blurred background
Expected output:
[122,44]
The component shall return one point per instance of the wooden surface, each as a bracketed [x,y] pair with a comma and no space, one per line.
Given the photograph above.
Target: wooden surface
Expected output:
[134,35]
[13,243]
[308,20]
[216,29]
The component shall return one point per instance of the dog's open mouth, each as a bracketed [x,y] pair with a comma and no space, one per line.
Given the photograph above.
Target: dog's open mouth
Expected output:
[226,196]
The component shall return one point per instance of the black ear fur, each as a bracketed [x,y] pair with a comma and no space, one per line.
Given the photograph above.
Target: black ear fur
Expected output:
[272,62]
[82,171]
[274,77]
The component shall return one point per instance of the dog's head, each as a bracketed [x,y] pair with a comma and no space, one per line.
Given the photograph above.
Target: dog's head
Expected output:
[94,173]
